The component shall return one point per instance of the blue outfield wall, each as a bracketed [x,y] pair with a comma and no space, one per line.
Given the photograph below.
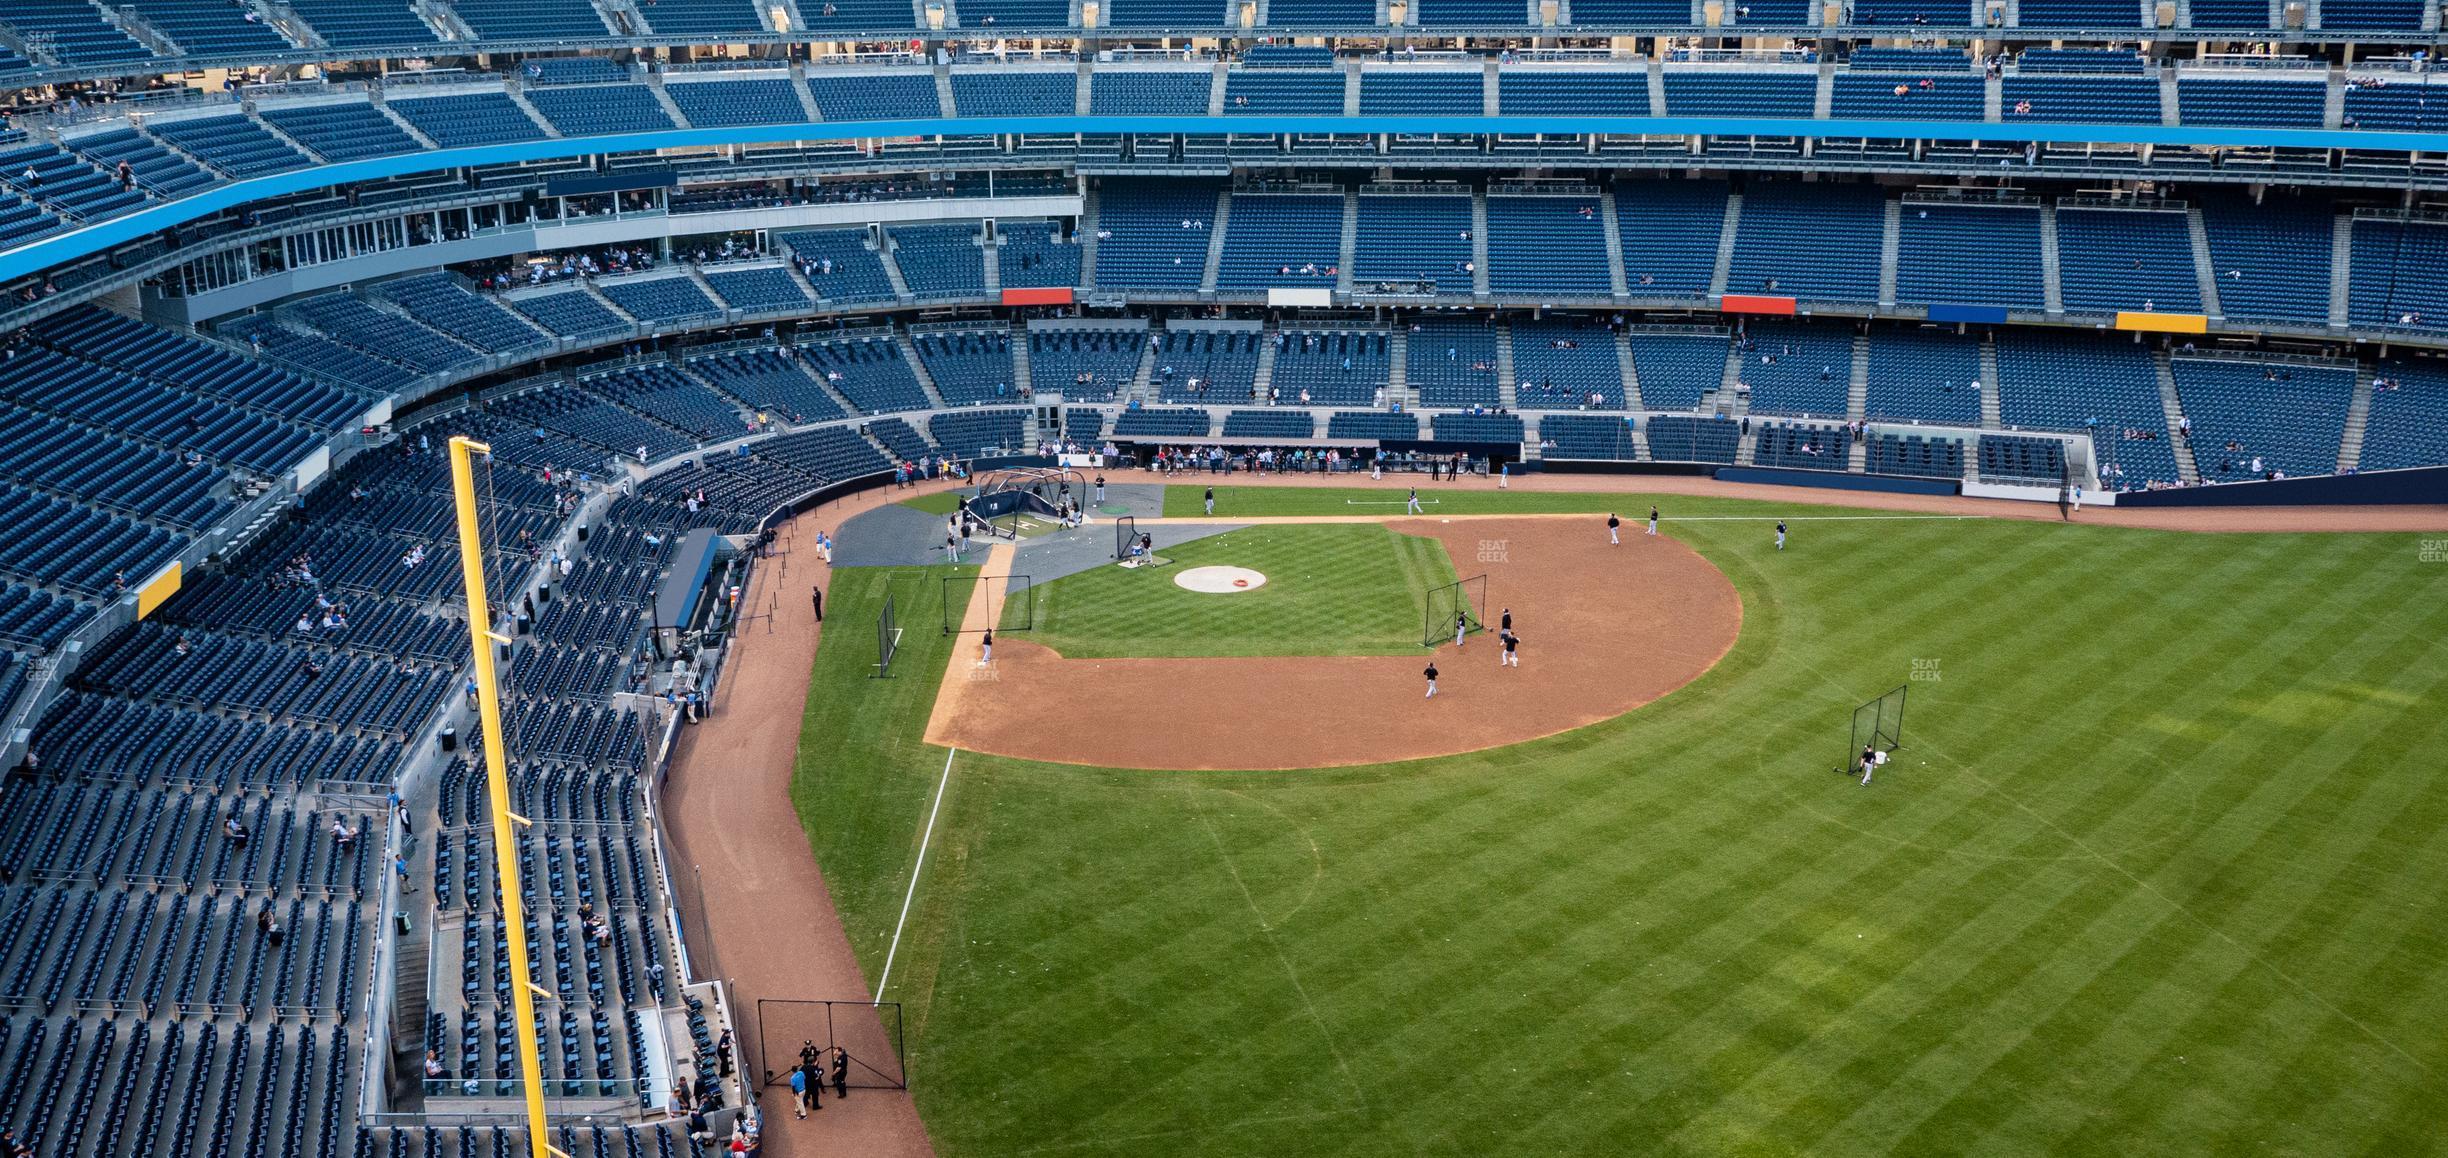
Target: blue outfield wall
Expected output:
[64,248]
[2419,486]
[1835,480]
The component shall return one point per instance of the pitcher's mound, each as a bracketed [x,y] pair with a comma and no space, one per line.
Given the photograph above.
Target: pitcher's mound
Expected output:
[1220,580]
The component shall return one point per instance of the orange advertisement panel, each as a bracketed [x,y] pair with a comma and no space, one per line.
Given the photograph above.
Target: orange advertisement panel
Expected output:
[2164,323]
[1756,304]
[1050,296]
[159,590]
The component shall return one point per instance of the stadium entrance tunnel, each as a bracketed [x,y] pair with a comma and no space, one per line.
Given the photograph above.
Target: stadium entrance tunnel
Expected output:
[1604,629]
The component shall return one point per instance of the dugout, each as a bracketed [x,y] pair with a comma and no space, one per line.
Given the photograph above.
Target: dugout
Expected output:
[689,597]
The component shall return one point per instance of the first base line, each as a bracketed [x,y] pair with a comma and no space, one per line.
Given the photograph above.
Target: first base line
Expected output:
[1386,502]
[923,842]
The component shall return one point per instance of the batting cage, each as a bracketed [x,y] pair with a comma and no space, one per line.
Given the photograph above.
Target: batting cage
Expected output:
[888,636]
[1464,600]
[1877,725]
[790,1033]
[1018,595]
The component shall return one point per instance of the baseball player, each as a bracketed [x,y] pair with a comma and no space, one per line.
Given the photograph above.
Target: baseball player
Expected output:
[1612,524]
[1870,764]
[1653,518]
[1211,500]
[1508,619]
[1512,654]
[1461,624]
[1431,674]
[2078,498]
[1100,485]
[1780,534]
[1413,506]
[986,649]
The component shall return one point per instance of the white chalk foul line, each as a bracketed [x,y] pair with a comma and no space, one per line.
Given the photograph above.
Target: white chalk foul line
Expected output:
[1812,518]
[923,842]
[1386,502]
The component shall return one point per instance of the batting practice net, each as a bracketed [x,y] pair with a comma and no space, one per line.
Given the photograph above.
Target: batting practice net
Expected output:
[1465,599]
[1126,532]
[1018,594]
[869,1031]
[888,636]
[1878,725]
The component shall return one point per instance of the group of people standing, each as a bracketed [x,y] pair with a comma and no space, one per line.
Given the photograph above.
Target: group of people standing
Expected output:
[807,1079]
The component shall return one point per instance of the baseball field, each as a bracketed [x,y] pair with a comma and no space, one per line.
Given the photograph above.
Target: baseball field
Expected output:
[2161,867]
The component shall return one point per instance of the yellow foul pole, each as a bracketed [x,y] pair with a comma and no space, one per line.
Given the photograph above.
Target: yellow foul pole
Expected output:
[506,823]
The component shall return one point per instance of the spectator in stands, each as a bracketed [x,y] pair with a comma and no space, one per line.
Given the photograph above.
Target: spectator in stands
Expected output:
[433,1064]
[270,928]
[344,838]
[235,829]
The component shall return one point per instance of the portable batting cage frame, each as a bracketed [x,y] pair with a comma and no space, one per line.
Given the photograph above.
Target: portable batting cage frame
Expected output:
[1015,587]
[869,1031]
[1464,597]
[1879,725]
[1032,490]
[888,637]
[1126,532]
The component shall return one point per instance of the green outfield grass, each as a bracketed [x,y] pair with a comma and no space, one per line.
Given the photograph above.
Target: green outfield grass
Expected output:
[1330,590]
[939,503]
[2163,869]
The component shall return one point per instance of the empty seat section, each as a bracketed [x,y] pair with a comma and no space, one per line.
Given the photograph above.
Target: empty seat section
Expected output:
[1410,239]
[1816,242]
[595,110]
[1924,376]
[364,23]
[769,381]
[1452,364]
[571,313]
[713,104]
[1270,424]
[1411,92]
[1332,367]
[72,32]
[2371,15]
[1908,96]
[1566,364]
[839,263]
[969,366]
[2113,259]
[761,289]
[940,261]
[1586,436]
[904,95]
[1117,92]
[1289,240]
[1798,368]
[1573,92]
[235,145]
[2271,259]
[2405,108]
[442,301]
[342,132]
[1016,94]
[1206,367]
[1035,254]
[1371,424]
[979,433]
[531,19]
[711,17]
[2080,14]
[1000,15]
[1681,438]
[1915,455]
[1547,245]
[1153,234]
[155,169]
[1162,424]
[1085,365]
[666,300]
[1676,369]
[1669,232]
[1934,240]
[1295,92]
[2021,458]
[468,119]
[2058,98]
[1321,14]
[871,372]
[2290,416]
[2078,383]
[1750,93]
[2408,422]
[2251,103]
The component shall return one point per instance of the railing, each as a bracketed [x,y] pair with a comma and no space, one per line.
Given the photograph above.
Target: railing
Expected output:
[2256,61]
[2143,204]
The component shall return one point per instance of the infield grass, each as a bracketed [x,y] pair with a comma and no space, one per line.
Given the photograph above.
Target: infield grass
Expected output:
[2162,870]
[1330,590]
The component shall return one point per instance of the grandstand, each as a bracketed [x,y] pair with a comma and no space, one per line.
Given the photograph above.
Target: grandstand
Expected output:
[261,261]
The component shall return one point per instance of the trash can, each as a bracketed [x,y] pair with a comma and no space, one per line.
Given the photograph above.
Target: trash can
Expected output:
[450,738]
[402,917]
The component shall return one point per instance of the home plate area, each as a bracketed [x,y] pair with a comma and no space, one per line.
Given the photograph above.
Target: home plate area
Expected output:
[1220,580]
